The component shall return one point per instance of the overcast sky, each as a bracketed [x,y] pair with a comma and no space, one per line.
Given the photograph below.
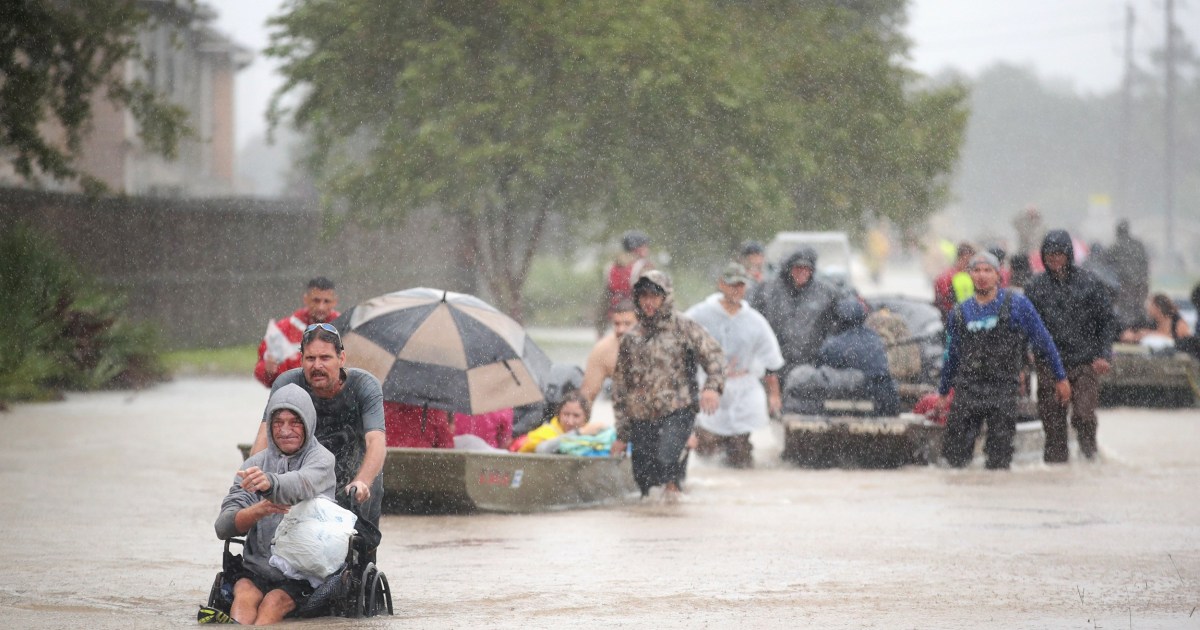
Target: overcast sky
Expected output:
[1077,40]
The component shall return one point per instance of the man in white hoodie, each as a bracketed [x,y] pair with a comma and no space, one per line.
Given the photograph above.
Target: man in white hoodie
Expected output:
[751,349]
[291,469]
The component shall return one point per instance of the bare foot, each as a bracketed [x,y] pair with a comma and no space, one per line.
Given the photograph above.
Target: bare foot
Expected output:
[671,492]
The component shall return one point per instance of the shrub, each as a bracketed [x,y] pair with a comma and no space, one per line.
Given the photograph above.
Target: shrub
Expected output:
[64,331]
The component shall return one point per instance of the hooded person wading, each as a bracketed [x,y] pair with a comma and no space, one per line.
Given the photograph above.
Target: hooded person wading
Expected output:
[799,307]
[1077,311]
[294,467]
[655,391]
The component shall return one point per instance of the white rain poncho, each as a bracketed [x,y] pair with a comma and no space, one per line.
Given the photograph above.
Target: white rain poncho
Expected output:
[751,349]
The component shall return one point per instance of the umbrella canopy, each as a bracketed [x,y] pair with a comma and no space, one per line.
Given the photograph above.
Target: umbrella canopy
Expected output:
[446,350]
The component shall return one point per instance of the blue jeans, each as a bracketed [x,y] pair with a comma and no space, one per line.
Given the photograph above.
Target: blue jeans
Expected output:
[658,448]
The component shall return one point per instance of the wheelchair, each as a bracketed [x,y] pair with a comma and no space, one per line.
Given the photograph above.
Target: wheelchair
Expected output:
[360,589]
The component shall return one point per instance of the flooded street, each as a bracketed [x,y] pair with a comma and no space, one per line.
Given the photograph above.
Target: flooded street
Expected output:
[862,203]
[110,500]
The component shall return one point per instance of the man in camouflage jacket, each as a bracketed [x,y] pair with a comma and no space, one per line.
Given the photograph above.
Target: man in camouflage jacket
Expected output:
[655,391]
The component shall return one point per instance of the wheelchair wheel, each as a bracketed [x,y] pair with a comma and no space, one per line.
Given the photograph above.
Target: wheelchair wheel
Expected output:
[379,596]
[214,593]
[362,595]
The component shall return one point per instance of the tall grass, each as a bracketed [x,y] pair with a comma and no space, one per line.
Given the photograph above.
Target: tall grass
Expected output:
[559,294]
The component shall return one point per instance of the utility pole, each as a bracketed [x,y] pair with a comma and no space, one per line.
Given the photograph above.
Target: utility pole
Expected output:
[1125,149]
[1169,128]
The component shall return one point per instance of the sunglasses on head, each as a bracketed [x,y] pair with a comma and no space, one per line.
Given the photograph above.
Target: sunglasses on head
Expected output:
[322,326]
[312,331]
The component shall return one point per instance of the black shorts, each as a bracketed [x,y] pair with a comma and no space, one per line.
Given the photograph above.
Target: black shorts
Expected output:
[298,590]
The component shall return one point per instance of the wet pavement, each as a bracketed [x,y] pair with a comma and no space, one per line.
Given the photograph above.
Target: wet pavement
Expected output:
[107,522]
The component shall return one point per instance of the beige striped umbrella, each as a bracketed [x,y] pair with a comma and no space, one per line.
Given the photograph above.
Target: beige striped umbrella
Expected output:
[446,350]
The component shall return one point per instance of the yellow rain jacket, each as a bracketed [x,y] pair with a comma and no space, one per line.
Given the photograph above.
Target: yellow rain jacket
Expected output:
[547,431]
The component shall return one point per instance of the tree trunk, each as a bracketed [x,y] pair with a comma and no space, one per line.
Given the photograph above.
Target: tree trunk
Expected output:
[503,258]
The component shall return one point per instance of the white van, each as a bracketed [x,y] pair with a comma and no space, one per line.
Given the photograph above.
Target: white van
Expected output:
[833,254]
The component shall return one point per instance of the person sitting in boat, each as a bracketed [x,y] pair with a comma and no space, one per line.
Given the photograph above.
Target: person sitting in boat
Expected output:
[1165,323]
[852,363]
[572,414]
[291,469]
[1191,345]
[856,347]
[416,426]
[494,428]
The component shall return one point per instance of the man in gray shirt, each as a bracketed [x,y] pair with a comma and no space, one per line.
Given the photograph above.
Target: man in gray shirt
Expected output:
[349,404]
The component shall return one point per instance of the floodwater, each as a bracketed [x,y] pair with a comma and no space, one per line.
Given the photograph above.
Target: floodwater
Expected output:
[110,498]
[106,522]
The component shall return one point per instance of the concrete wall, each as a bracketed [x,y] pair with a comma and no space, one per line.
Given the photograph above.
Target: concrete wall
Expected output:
[211,272]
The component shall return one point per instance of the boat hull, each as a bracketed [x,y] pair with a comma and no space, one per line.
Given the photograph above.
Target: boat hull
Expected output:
[420,480]
[1144,379]
[813,441]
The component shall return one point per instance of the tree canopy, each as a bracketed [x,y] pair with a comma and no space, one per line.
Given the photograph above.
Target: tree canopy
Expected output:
[54,56]
[703,120]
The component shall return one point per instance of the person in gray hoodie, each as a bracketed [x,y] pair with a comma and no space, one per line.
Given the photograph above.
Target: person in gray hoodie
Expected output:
[291,469]
[800,308]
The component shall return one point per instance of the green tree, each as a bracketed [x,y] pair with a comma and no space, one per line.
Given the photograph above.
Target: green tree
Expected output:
[860,133]
[53,57]
[701,118]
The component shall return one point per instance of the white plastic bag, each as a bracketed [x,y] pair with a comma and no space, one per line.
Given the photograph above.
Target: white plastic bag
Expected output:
[279,347]
[312,539]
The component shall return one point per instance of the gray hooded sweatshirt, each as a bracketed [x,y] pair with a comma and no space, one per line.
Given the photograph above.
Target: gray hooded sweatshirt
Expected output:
[802,317]
[302,475]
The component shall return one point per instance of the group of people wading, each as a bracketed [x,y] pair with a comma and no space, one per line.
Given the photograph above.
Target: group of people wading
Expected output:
[710,376]
[1060,325]
[704,379]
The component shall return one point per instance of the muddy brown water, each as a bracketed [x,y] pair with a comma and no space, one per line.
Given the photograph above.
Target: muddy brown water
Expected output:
[109,500]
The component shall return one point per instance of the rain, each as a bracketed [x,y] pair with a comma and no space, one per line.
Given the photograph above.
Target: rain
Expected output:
[690,314]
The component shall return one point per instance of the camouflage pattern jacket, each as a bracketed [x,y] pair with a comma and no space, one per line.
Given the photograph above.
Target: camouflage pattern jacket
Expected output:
[657,361]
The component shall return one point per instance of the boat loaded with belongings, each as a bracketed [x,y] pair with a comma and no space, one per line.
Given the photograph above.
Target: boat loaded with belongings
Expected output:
[422,480]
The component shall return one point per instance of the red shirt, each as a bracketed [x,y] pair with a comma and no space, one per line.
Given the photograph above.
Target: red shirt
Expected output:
[293,328]
[410,426]
[928,406]
[621,279]
[943,292]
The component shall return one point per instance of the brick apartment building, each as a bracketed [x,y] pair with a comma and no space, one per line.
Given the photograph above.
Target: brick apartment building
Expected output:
[194,66]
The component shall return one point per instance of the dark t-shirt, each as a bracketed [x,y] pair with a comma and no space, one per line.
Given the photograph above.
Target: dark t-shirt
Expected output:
[344,420]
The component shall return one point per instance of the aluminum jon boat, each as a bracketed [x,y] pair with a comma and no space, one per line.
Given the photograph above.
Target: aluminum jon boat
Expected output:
[423,481]
[841,439]
[1141,377]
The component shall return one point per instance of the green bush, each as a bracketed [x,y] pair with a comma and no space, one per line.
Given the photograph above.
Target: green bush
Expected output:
[64,332]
